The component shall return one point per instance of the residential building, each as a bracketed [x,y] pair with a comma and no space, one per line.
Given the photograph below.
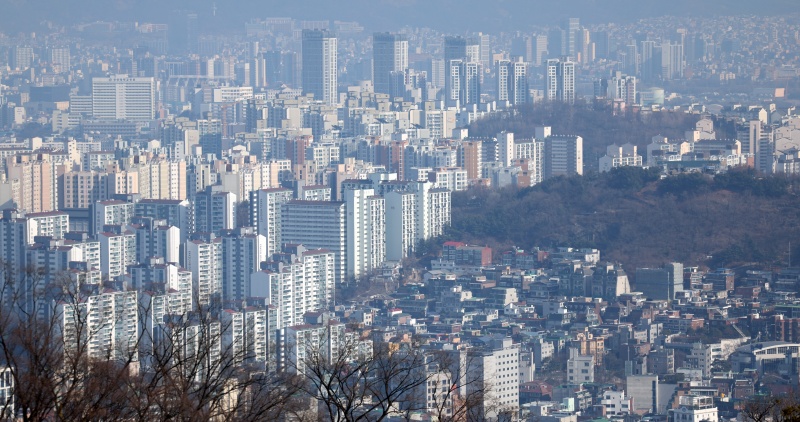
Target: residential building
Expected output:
[320,69]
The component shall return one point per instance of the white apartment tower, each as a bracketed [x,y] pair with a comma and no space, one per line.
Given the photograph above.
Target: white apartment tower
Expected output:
[108,323]
[320,65]
[512,82]
[366,236]
[560,80]
[401,234]
[122,97]
[117,251]
[265,215]
[295,282]
[204,260]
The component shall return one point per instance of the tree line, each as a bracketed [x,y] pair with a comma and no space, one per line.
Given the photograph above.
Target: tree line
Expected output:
[183,366]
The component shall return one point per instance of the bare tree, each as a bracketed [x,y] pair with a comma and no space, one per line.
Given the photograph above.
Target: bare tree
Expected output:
[80,353]
[357,381]
[768,408]
[455,392]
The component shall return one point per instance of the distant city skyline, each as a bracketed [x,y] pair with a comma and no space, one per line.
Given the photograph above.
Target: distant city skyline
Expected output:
[471,15]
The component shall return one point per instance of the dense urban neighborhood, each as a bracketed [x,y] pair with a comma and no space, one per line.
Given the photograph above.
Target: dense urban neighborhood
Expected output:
[303,220]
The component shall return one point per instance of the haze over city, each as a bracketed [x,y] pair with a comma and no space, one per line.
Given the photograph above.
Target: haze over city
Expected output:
[402,210]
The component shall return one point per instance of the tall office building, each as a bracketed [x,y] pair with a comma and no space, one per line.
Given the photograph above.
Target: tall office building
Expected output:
[124,98]
[485,50]
[538,49]
[650,63]
[563,156]
[389,54]
[557,41]
[572,26]
[660,283]
[512,81]
[672,61]
[560,80]
[320,67]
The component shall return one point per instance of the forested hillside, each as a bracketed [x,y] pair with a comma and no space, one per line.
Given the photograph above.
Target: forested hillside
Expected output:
[595,124]
[638,220]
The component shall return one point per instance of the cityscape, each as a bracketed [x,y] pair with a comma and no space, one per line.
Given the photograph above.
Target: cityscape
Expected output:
[587,218]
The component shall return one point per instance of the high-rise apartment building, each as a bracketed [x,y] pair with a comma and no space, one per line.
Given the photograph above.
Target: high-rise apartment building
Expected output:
[155,238]
[110,212]
[214,210]
[560,80]
[122,97]
[296,281]
[243,250]
[512,81]
[60,59]
[38,186]
[366,235]
[107,322]
[117,250]
[464,83]
[265,215]
[318,225]
[497,363]
[389,54]
[466,50]
[563,156]
[672,61]
[320,67]
[21,57]
[204,260]
[470,158]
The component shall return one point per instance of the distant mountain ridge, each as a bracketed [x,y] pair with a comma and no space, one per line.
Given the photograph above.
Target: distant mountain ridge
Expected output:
[446,15]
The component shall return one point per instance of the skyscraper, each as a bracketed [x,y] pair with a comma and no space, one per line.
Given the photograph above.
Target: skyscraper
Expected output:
[560,80]
[389,54]
[672,61]
[463,83]
[466,51]
[572,26]
[123,98]
[512,81]
[320,67]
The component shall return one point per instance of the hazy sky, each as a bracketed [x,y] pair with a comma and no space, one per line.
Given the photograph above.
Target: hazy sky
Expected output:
[448,15]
